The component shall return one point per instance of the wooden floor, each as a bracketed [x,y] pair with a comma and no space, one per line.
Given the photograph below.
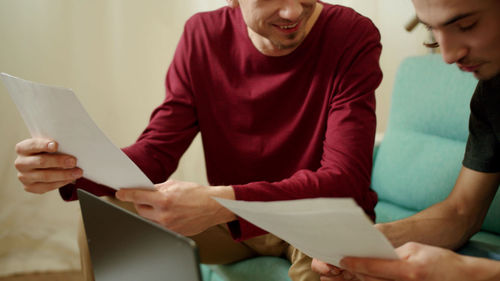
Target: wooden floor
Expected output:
[55,276]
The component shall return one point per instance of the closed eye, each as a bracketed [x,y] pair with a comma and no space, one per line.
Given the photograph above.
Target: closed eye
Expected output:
[431,45]
[467,27]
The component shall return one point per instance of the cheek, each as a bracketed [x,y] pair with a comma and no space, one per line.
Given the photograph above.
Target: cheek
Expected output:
[255,20]
[495,39]
[487,40]
[486,44]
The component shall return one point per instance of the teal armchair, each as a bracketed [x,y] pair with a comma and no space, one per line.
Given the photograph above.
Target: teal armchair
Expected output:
[255,269]
[420,156]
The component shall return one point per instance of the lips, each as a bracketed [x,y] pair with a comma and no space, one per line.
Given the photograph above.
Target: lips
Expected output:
[288,27]
[469,67]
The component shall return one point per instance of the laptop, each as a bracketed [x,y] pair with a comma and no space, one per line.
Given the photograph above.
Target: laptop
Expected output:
[124,246]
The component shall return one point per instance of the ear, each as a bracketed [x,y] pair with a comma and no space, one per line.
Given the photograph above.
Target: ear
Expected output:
[232,3]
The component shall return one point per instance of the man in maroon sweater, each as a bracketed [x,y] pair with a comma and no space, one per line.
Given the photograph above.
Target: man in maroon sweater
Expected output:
[282,93]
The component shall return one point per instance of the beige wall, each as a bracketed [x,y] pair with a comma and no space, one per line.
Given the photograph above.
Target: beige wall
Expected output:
[114,55]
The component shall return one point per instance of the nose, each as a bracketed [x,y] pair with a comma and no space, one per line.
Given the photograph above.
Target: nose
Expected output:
[291,10]
[453,49]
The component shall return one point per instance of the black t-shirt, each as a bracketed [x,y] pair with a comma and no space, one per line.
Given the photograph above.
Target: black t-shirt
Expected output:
[483,146]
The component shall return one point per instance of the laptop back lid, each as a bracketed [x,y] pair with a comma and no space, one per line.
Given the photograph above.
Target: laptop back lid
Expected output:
[124,246]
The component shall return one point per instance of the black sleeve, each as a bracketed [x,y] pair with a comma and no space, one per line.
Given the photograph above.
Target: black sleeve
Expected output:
[482,152]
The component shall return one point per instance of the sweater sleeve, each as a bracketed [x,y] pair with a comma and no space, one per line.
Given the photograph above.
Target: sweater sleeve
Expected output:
[171,129]
[348,143]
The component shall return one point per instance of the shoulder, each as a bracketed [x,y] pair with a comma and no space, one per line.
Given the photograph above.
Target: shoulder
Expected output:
[212,23]
[348,23]
[486,90]
[486,99]
[344,36]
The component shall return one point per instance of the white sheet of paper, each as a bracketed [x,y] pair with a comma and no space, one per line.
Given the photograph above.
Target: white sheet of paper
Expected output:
[55,112]
[325,228]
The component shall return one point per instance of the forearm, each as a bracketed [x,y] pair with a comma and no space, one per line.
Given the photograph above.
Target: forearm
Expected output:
[439,225]
[453,221]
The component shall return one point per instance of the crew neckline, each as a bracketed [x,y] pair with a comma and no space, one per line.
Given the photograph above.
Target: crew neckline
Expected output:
[307,40]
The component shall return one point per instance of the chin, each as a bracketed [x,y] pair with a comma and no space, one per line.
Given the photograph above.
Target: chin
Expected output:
[486,75]
[290,44]
[487,71]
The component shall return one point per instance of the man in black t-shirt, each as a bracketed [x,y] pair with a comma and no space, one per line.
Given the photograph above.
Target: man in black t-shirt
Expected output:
[468,32]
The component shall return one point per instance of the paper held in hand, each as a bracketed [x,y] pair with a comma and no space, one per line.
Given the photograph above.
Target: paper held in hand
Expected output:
[323,228]
[56,113]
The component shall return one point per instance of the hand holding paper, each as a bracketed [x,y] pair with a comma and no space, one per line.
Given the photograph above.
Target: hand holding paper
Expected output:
[41,168]
[324,228]
[56,113]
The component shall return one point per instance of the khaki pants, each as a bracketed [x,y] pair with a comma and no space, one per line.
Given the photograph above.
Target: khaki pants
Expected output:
[217,247]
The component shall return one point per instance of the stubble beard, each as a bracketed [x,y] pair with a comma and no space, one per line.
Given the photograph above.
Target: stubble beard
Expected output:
[283,46]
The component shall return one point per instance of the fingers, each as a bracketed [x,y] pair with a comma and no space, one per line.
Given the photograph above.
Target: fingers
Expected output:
[48,179]
[137,196]
[330,272]
[40,188]
[39,153]
[361,277]
[27,163]
[169,220]
[41,168]
[35,145]
[375,268]
[319,267]
[346,275]
[146,211]
[324,268]
[149,197]
[330,278]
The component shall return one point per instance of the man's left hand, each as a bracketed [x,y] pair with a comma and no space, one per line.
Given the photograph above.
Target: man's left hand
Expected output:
[184,207]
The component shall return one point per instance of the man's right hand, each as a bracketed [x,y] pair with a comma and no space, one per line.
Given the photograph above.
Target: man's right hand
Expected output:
[41,168]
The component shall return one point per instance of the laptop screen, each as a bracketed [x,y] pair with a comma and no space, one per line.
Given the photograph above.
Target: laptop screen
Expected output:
[124,246]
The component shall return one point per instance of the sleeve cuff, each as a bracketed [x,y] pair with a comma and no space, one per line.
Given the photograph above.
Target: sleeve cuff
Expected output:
[68,192]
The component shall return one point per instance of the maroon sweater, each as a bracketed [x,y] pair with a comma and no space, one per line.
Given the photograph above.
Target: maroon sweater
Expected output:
[275,128]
